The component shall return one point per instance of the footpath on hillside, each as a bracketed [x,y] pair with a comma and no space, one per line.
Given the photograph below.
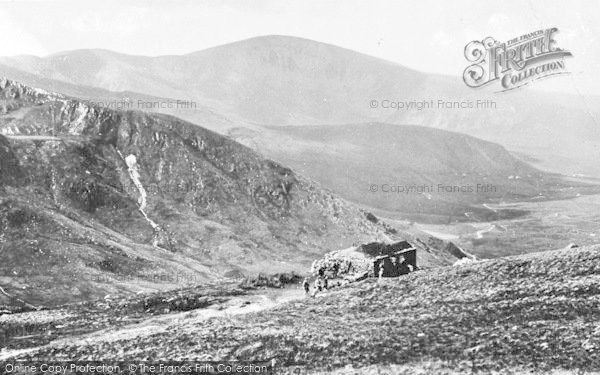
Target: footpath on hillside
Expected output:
[254,301]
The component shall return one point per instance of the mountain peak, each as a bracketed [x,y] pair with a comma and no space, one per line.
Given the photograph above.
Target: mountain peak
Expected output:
[294,44]
[279,40]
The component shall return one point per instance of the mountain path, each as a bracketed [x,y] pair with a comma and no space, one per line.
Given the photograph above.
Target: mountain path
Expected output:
[479,234]
[246,304]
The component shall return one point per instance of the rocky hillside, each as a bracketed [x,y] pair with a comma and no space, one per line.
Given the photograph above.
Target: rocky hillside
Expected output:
[535,313]
[95,201]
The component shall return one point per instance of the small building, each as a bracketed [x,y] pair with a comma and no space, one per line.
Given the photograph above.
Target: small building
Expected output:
[398,258]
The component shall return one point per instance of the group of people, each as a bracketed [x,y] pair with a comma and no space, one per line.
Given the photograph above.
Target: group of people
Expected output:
[322,281]
[321,284]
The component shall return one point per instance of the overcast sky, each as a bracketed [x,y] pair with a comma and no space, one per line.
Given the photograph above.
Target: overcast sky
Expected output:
[425,35]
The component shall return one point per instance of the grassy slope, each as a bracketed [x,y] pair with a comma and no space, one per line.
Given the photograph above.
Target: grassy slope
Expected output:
[537,311]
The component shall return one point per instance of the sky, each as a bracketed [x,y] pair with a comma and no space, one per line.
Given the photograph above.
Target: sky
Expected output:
[428,35]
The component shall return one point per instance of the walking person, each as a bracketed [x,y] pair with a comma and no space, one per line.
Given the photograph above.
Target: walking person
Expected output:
[318,286]
[306,286]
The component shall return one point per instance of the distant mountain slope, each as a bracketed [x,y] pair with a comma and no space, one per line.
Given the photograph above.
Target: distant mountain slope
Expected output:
[279,80]
[274,80]
[90,197]
[426,173]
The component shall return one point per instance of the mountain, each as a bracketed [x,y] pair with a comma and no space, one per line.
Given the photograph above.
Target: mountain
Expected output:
[260,91]
[95,201]
[281,80]
[274,80]
[341,158]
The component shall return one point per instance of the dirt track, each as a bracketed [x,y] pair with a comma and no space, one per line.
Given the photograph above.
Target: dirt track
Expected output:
[34,138]
[254,302]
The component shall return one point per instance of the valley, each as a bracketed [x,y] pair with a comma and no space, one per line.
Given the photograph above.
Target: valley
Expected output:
[427,175]
[547,224]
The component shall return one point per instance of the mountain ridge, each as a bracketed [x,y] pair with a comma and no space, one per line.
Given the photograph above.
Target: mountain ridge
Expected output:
[241,88]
